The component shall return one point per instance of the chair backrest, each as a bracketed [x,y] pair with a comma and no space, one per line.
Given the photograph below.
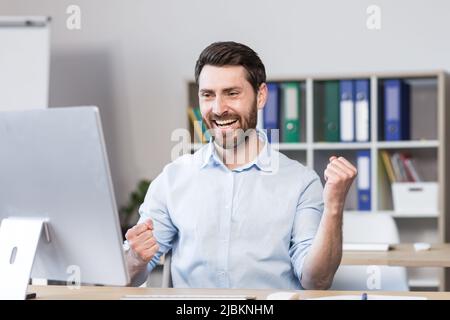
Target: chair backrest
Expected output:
[370,228]
[167,276]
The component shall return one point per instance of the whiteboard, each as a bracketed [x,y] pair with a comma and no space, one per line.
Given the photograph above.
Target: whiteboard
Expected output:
[24,62]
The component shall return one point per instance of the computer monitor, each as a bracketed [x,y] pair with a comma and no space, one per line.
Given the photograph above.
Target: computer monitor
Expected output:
[54,176]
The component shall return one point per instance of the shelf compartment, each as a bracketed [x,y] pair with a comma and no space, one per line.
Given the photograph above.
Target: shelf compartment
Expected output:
[423,107]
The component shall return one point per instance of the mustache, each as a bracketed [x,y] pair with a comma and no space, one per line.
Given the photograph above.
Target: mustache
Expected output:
[224,117]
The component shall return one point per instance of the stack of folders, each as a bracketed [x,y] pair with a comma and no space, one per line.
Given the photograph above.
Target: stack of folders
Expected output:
[281,116]
[345,106]
[200,130]
[395,120]
[400,167]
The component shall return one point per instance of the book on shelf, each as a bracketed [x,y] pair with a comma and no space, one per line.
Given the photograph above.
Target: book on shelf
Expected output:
[363,180]
[396,106]
[412,170]
[388,166]
[290,112]
[347,110]
[196,125]
[331,111]
[362,110]
[400,167]
[199,126]
[272,109]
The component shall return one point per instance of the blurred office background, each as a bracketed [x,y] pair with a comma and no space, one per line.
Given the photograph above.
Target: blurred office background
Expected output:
[134,59]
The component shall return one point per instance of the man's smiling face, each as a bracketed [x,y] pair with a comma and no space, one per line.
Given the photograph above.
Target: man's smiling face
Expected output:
[228,103]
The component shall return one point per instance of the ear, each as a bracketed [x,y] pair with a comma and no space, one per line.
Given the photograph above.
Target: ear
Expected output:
[261,96]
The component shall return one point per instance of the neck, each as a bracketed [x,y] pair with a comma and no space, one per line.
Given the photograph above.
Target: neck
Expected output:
[242,154]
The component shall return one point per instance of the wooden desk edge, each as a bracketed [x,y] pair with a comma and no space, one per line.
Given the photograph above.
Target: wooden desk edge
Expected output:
[115,293]
[402,255]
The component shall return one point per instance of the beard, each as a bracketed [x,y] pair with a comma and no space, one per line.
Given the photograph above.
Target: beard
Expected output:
[233,134]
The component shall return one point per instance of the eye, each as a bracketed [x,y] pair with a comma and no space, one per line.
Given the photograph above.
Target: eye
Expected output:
[233,93]
[206,95]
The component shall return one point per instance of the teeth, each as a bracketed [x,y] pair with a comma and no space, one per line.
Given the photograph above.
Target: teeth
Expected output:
[225,122]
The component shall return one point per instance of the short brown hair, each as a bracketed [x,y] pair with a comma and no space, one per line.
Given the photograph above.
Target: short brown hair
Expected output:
[233,54]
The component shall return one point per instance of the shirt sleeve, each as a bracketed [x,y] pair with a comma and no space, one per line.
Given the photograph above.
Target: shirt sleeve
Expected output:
[306,221]
[155,207]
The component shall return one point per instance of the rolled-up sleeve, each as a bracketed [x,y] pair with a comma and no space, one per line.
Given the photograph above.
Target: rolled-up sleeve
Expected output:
[155,207]
[306,221]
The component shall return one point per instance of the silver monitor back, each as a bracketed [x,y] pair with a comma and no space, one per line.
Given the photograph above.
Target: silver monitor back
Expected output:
[53,164]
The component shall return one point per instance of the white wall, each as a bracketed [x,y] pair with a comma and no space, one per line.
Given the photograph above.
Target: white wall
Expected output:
[133,58]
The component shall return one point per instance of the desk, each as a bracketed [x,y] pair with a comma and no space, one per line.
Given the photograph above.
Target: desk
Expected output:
[401,255]
[115,293]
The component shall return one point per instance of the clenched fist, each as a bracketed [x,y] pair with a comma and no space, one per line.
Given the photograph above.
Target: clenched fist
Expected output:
[339,176]
[142,241]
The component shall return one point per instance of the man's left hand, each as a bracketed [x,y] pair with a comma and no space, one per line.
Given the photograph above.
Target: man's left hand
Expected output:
[339,176]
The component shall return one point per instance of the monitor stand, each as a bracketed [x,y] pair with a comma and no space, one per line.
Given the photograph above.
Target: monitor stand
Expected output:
[19,238]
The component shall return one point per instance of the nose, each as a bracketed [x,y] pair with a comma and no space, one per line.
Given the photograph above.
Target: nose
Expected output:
[219,106]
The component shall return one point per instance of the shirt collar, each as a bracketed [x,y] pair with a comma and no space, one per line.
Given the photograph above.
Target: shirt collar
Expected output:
[263,161]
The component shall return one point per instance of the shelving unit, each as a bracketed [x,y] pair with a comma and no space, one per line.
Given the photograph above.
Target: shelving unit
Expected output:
[429,114]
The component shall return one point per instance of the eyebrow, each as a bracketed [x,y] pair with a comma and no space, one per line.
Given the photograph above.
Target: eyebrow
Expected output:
[231,89]
[226,90]
[206,91]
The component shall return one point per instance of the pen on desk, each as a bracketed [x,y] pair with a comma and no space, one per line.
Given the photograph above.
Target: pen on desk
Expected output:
[364,296]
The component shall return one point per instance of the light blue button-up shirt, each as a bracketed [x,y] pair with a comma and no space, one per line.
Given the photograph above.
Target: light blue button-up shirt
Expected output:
[250,227]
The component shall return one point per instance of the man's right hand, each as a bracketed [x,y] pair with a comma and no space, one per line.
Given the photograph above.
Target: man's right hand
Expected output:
[141,240]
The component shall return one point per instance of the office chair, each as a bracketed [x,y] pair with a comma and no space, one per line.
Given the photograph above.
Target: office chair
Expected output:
[370,228]
[167,276]
[160,276]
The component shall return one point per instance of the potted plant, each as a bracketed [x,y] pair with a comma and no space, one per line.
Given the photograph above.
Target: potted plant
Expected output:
[129,213]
